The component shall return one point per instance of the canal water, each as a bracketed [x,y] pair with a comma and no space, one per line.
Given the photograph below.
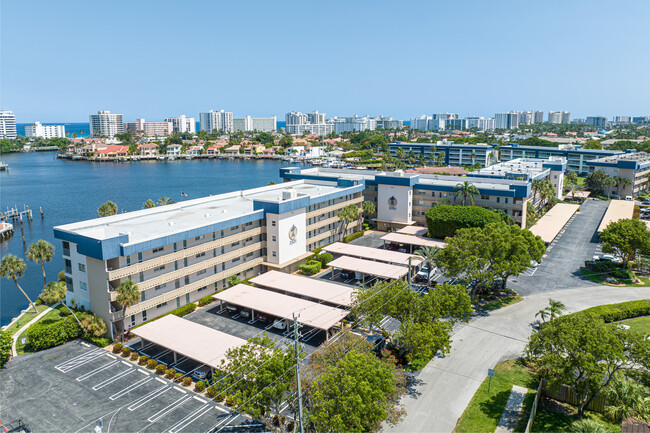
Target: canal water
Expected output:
[71,191]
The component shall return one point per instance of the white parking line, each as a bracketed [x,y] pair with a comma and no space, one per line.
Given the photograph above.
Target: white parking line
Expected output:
[130,388]
[199,399]
[126,363]
[170,407]
[111,380]
[144,372]
[97,370]
[80,360]
[148,397]
[182,391]
[221,410]
[85,344]
[189,419]
[219,424]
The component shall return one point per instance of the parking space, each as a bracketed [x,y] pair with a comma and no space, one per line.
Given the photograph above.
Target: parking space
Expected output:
[76,387]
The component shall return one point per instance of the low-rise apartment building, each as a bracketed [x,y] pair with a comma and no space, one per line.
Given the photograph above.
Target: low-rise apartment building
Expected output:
[184,251]
[402,199]
[630,172]
[448,153]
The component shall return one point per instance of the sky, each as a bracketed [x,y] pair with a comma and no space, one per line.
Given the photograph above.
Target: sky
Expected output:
[61,61]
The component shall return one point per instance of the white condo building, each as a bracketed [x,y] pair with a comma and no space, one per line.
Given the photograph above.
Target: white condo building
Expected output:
[214,121]
[354,123]
[314,123]
[509,120]
[7,124]
[480,123]
[36,129]
[559,117]
[183,123]
[260,124]
[106,124]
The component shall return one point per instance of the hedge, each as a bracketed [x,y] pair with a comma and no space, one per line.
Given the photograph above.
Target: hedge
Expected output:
[49,334]
[353,236]
[5,347]
[311,268]
[206,300]
[98,341]
[323,258]
[444,220]
[126,352]
[180,312]
[622,311]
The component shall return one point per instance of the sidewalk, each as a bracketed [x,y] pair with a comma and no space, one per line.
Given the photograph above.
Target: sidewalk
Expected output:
[512,411]
[34,320]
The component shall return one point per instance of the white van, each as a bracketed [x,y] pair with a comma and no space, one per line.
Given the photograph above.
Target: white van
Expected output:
[629,198]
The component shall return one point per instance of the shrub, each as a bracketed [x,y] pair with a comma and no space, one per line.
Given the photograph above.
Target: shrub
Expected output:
[324,259]
[161,369]
[444,220]
[98,341]
[49,334]
[212,392]
[143,360]
[61,276]
[230,401]
[187,381]
[206,300]
[199,386]
[353,236]
[587,426]
[617,312]
[290,426]
[5,347]
[126,352]
[311,268]
[151,364]
[169,373]
[117,348]
[64,313]
[134,356]
[219,397]
[185,309]
[178,377]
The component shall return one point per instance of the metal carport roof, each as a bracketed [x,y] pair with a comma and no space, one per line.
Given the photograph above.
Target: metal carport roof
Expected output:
[313,288]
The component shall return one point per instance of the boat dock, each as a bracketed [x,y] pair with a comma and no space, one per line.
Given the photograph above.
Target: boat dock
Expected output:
[14,213]
[6,230]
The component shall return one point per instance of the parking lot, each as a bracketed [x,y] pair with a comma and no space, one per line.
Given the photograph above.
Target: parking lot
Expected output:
[76,387]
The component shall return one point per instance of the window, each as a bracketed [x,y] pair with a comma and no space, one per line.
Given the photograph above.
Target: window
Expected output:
[185,262]
[214,252]
[177,284]
[198,238]
[232,229]
[157,250]
[184,244]
[133,320]
[175,247]
[199,255]
[142,297]
[178,302]
[187,279]
[214,236]
[82,268]
[141,276]
[144,316]
[236,259]
[201,272]
[83,286]
[272,223]
[274,254]
[161,305]
[139,257]
[160,286]
[159,268]
[236,244]
[128,260]
[187,298]
[273,238]
[202,288]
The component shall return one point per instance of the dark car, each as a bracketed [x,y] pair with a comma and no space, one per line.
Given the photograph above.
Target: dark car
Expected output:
[261,317]
[378,342]
[346,274]
[391,247]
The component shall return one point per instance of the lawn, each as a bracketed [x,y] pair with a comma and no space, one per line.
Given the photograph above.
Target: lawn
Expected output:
[500,303]
[26,318]
[553,416]
[641,324]
[484,411]
[580,181]
[55,314]
[597,278]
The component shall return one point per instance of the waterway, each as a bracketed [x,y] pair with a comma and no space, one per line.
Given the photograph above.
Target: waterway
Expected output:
[71,191]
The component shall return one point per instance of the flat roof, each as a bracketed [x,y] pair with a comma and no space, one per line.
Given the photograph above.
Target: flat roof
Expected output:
[196,341]
[578,194]
[189,214]
[555,219]
[276,304]
[314,288]
[368,267]
[617,210]
[413,230]
[413,240]
[372,253]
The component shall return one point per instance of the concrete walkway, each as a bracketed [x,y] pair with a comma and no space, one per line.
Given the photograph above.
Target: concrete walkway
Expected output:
[34,320]
[512,411]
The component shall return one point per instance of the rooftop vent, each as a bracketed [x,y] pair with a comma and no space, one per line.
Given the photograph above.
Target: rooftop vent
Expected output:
[289,193]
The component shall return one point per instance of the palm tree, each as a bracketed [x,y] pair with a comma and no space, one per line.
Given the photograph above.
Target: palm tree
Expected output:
[94,326]
[149,204]
[163,201]
[466,190]
[400,153]
[107,209]
[473,156]
[621,181]
[55,292]
[367,208]
[627,399]
[348,214]
[542,314]
[429,256]
[40,252]
[13,268]
[555,308]
[128,294]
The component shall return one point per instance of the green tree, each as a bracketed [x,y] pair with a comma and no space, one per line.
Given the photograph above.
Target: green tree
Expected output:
[572,176]
[555,308]
[346,215]
[584,353]
[93,325]
[466,190]
[128,294]
[626,238]
[233,280]
[5,347]
[597,181]
[41,252]
[149,204]
[55,292]
[429,255]
[367,209]
[626,399]
[13,268]
[444,220]
[593,144]
[286,141]
[107,209]
[164,201]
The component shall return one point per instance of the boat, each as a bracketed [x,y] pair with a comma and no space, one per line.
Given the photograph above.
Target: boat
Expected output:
[76,157]
[171,158]
[3,166]
[161,158]
[6,230]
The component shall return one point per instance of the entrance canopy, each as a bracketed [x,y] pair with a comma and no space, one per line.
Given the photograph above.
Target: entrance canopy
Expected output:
[275,304]
[368,267]
[399,238]
[312,288]
[201,343]
[372,253]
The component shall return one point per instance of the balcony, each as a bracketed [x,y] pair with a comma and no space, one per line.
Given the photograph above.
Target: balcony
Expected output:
[334,207]
[181,254]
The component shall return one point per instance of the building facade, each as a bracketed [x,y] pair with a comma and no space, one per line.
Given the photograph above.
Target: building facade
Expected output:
[509,120]
[448,153]
[106,124]
[598,121]
[215,121]
[354,123]
[301,123]
[481,124]
[149,129]
[181,252]
[629,170]
[36,129]
[559,117]
[260,124]
[183,123]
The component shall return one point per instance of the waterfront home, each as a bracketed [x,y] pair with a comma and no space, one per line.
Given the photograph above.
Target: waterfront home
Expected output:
[174,150]
[254,149]
[148,150]
[271,151]
[294,150]
[112,151]
[232,150]
[338,154]
[193,150]
[314,152]
[213,150]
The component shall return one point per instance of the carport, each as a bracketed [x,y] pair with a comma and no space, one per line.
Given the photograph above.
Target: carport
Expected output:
[413,241]
[413,230]
[192,340]
[617,210]
[312,289]
[554,221]
[368,267]
[375,254]
[282,306]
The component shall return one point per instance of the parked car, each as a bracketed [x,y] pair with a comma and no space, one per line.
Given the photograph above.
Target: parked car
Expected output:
[279,324]
[261,317]
[424,275]
[629,198]
[646,201]
[611,258]
[391,247]
[346,274]
[245,312]
[378,342]
[202,373]
[232,309]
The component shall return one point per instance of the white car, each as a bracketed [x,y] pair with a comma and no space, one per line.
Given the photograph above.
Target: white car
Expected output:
[279,324]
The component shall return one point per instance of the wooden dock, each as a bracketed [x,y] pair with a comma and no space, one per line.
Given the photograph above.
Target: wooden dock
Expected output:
[16,214]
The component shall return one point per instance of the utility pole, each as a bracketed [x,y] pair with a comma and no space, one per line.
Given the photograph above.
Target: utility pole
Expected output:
[409,274]
[296,344]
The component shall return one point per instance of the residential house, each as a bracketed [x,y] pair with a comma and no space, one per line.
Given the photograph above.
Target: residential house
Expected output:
[148,150]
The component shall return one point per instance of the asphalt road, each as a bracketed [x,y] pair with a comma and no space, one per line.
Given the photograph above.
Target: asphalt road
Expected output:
[442,390]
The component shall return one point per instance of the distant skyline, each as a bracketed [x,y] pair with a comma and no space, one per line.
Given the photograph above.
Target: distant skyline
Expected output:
[61,62]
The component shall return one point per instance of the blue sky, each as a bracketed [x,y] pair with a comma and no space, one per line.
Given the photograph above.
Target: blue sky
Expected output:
[61,61]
